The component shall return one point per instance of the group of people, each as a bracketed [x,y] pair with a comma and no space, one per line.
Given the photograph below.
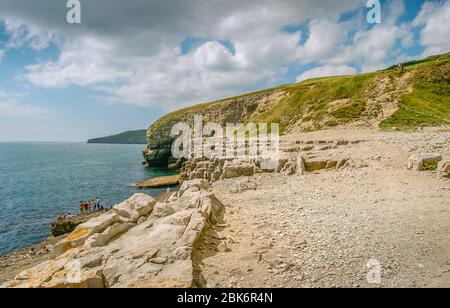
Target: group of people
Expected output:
[91,206]
[63,216]
[33,252]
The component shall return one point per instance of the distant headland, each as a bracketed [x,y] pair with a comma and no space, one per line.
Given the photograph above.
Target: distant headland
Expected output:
[130,137]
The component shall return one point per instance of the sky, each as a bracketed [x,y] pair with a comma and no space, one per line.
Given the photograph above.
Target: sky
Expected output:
[130,62]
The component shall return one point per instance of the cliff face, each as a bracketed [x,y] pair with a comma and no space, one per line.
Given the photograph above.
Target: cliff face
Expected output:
[234,110]
[406,96]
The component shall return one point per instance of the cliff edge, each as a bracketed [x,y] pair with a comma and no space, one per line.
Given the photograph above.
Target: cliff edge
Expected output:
[405,96]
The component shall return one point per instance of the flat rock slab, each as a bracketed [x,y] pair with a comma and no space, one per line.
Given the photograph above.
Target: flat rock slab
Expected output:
[160,182]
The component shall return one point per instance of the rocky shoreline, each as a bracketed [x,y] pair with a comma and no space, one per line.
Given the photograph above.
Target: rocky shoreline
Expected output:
[140,243]
[334,201]
[17,261]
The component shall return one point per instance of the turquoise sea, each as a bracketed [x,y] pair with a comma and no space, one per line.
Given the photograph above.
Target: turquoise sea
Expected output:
[40,180]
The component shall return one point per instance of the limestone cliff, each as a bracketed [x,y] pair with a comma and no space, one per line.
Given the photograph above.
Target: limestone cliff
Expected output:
[406,96]
[233,110]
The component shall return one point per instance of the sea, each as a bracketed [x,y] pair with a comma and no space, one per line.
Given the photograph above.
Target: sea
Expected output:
[38,181]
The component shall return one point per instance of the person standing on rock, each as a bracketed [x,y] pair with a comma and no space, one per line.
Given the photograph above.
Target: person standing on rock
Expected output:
[97,203]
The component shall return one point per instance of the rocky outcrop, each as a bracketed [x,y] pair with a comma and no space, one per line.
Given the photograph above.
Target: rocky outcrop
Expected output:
[68,225]
[292,161]
[138,244]
[424,161]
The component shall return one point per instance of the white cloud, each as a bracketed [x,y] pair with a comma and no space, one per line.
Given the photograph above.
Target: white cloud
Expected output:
[132,52]
[86,61]
[434,17]
[324,40]
[326,71]
[23,34]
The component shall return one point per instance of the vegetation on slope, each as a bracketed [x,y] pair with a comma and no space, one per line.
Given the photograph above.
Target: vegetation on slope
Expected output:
[313,101]
[404,96]
[131,137]
[429,102]
[322,102]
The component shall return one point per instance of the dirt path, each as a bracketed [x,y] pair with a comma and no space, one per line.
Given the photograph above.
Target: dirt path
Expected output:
[321,229]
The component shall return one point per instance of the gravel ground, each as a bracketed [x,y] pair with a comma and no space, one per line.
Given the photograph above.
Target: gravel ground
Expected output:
[322,229]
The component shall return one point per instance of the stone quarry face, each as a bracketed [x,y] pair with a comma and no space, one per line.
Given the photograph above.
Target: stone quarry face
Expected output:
[114,251]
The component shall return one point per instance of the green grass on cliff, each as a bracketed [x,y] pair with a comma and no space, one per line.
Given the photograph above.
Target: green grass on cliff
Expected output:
[428,104]
[309,101]
[332,101]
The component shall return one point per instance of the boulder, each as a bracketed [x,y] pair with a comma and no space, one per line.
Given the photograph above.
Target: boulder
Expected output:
[444,168]
[102,239]
[163,210]
[316,164]
[301,168]
[424,161]
[307,148]
[198,174]
[319,163]
[281,163]
[137,206]
[289,168]
[197,185]
[236,169]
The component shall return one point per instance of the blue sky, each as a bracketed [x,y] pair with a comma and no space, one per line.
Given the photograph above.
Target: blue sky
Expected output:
[62,82]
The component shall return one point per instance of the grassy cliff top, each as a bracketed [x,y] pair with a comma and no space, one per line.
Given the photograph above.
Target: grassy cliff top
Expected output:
[404,96]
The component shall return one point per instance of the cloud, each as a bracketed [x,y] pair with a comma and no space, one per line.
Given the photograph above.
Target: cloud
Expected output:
[131,52]
[21,34]
[326,71]
[434,18]
[86,61]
